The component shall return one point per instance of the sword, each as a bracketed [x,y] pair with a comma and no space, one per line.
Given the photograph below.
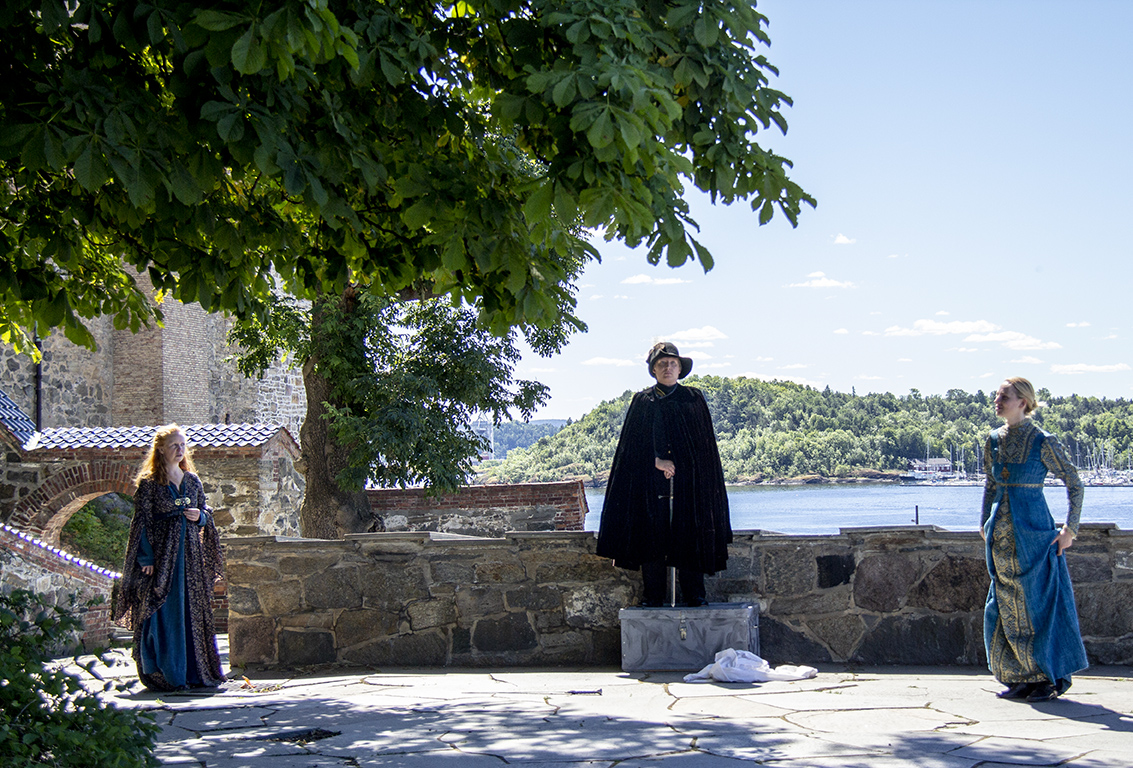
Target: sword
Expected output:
[672,570]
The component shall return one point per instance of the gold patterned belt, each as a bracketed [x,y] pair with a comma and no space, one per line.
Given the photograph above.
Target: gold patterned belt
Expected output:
[1020,485]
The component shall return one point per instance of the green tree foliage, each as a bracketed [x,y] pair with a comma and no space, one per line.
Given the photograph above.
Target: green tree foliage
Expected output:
[99,531]
[403,383]
[226,149]
[519,434]
[47,719]
[772,430]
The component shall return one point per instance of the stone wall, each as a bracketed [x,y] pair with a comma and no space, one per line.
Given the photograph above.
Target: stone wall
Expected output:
[484,510]
[906,595]
[30,564]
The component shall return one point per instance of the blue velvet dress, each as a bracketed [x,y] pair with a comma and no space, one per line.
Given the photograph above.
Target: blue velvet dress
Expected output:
[170,609]
[1031,631]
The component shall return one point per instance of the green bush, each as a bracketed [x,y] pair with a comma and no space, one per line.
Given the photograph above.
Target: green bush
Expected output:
[100,530]
[47,719]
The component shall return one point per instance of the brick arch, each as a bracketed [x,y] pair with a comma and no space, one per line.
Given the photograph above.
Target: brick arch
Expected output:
[45,511]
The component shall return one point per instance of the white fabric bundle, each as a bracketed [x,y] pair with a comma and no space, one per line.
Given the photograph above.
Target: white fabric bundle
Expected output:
[732,666]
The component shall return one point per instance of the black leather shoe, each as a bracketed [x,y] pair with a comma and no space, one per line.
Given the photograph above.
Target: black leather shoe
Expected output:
[1042,692]
[697,602]
[649,604]
[1017,691]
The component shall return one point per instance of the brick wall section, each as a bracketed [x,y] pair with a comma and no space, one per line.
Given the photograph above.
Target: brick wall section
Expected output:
[31,564]
[903,595]
[484,510]
[138,394]
[184,362]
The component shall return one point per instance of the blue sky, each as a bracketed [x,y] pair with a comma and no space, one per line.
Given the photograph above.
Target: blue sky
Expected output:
[974,176]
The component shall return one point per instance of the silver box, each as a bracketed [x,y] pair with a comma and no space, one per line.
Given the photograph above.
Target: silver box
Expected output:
[686,639]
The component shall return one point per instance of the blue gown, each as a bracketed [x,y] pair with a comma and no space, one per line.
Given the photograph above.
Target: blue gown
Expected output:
[1031,632]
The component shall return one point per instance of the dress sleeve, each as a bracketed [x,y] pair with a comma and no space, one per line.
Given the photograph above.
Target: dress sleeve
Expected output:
[989,485]
[1056,461]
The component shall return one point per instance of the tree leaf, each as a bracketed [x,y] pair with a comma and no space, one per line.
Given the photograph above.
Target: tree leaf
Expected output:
[248,55]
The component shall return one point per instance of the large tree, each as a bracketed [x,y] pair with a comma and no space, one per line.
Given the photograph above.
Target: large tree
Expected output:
[325,147]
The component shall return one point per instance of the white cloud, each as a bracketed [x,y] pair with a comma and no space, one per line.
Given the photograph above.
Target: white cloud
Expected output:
[1077,368]
[985,375]
[820,280]
[1014,340]
[614,361]
[707,333]
[943,312]
[793,366]
[693,344]
[841,330]
[696,354]
[896,255]
[702,366]
[1082,324]
[938,328]
[841,239]
[865,377]
[1111,336]
[643,279]
[596,296]
[967,349]
[762,359]
[620,296]
[870,333]
[1027,360]
[904,359]
[541,370]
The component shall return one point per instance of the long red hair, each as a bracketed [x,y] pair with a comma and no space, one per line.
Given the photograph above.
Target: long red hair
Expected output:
[153,465]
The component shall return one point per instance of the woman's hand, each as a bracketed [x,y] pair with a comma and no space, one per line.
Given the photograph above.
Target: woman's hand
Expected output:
[192,514]
[1064,539]
[665,466]
[147,570]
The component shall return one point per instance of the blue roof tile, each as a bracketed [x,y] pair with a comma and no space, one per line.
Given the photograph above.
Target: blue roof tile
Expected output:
[15,420]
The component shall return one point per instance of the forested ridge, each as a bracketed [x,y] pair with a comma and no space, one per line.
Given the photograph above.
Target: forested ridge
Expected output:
[780,430]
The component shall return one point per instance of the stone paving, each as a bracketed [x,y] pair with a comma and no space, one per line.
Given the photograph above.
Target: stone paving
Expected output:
[847,717]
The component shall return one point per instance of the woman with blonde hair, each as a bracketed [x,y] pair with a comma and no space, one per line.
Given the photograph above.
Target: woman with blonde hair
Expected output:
[173,559]
[1031,631]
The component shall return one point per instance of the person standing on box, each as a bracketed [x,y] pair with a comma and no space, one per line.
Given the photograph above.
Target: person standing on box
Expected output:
[666,504]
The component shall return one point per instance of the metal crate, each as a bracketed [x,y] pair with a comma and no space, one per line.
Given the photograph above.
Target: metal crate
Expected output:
[685,639]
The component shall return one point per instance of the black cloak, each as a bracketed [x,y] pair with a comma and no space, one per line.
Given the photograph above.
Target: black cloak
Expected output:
[635,515]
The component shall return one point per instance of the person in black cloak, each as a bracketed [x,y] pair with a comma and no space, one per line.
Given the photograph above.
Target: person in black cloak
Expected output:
[667,453]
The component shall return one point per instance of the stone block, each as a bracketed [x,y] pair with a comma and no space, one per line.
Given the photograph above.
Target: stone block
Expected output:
[834,570]
[1118,651]
[431,613]
[595,605]
[247,573]
[545,598]
[566,647]
[354,628]
[305,648]
[548,620]
[251,641]
[840,634]
[281,598]
[789,571]
[333,588]
[452,571]
[400,583]
[573,567]
[1105,610]
[953,584]
[919,639]
[882,581]
[303,565]
[473,602]
[780,643]
[606,645]
[244,601]
[461,640]
[425,649]
[1087,568]
[513,632]
[834,600]
[500,572]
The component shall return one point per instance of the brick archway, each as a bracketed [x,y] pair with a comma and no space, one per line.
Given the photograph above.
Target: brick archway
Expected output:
[45,511]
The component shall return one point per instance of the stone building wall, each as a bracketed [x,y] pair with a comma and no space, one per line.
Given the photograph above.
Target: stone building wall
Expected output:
[29,564]
[484,510]
[907,595]
[76,387]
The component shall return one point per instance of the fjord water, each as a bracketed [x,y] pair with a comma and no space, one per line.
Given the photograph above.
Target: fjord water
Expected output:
[823,509]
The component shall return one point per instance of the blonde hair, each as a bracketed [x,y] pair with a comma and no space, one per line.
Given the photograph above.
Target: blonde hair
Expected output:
[153,465]
[1026,392]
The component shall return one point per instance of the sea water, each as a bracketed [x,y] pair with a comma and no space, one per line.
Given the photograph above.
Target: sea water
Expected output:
[823,509]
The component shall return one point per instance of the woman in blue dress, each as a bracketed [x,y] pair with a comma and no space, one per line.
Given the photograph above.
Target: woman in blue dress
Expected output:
[173,559]
[1031,632]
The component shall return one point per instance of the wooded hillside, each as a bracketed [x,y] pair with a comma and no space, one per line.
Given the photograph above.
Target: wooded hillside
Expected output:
[775,430]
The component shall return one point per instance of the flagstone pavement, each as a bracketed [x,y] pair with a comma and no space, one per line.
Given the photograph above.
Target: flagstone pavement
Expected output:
[846,717]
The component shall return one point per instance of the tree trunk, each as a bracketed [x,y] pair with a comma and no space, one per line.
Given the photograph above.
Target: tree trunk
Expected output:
[327,512]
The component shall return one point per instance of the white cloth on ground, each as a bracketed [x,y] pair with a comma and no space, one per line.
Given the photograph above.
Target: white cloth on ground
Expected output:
[732,666]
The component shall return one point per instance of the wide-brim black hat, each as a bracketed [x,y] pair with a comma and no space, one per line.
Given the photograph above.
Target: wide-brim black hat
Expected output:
[668,349]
